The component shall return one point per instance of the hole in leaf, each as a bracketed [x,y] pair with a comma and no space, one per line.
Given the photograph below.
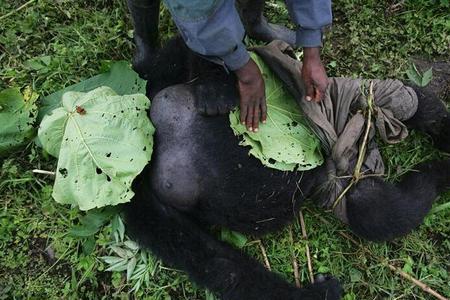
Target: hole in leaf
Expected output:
[108,178]
[98,171]
[63,172]
[108,154]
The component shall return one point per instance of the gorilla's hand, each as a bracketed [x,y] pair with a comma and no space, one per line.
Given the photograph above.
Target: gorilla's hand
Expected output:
[252,93]
[314,75]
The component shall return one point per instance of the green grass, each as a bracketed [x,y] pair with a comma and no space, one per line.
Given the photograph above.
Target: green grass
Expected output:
[51,44]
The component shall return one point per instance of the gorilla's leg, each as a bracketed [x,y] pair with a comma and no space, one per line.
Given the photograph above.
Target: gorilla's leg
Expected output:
[257,26]
[145,17]
[380,211]
[179,241]
[432,118]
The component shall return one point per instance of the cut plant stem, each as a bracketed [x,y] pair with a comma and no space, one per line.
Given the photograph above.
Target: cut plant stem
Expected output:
[308,253]
[294,259]
[37,171]
[264,254]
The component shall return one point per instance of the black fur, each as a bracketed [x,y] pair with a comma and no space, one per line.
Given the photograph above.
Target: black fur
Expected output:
[200,177]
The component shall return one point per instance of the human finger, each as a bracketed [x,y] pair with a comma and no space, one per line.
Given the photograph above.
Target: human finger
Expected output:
[256,117]
[318,94]
[243,112]
[320,90]
[309,92]
[249,118]
[263,107]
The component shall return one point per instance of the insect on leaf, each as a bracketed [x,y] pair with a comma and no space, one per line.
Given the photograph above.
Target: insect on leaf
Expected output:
[121,78]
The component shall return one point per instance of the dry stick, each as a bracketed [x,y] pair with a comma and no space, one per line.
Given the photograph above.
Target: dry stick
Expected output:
[383,260]
[294,260]
[308,253]
[264,254]
[417,282]
[37,171]
[16,10]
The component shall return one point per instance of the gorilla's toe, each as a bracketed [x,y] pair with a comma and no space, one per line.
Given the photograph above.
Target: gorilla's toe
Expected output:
[326,287]
[320,278]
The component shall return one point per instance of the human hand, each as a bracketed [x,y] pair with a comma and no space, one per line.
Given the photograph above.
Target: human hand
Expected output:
[252,96]
[314,75]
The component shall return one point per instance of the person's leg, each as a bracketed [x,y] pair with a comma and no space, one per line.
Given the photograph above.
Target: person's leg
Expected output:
[256,24]
[145,17]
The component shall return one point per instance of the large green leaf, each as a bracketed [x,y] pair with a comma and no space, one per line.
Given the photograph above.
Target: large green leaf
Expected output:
[102,141]
[121,78]
[285,142]
[17,116]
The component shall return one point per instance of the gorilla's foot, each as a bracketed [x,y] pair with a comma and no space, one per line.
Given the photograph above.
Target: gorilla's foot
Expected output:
[431,117]
[267,32]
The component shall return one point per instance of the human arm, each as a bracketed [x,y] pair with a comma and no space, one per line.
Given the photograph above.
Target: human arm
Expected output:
[213,29]
[311,16]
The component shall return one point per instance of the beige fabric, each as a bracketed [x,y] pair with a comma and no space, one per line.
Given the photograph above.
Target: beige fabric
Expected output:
[339,119]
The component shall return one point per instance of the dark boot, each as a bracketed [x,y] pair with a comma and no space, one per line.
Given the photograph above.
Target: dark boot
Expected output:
[145,17]
[256,24]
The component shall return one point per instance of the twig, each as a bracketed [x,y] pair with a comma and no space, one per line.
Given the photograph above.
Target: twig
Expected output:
[294,260]
[264,254]
[384,261]
[37,171]
[308,253]
[362,149]
[417,282]
[16,10]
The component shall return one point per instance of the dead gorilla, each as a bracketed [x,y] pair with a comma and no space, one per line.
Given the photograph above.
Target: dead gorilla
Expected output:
[199,177]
